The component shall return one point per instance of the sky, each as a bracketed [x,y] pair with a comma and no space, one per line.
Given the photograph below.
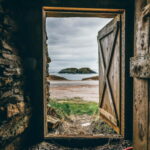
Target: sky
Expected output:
[72,42]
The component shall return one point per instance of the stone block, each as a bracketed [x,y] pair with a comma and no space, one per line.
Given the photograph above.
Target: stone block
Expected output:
[13,109]
[11,72]
[14,127]
[10,97]
[5,81]
[18,83]
[6,94]
[11,57]
[5,62]
[7,46]
[18,97]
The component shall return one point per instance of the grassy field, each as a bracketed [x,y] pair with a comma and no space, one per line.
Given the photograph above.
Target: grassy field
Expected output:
[73,106]
[85,110]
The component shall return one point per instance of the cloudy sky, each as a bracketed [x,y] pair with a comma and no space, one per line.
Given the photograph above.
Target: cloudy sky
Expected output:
[72,42]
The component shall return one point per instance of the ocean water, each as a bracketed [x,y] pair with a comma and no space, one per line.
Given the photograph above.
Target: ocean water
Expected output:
[74,76]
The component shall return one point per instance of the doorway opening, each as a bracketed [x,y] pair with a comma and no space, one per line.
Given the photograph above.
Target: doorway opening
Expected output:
[84,53]
[74,76]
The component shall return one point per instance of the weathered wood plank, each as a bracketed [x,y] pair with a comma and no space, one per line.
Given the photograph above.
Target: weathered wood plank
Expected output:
[140,66]
[146,11]
[80,14]
[108,116]
[141,87]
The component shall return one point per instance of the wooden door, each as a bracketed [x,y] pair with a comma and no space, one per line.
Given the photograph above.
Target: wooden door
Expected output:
[109,42]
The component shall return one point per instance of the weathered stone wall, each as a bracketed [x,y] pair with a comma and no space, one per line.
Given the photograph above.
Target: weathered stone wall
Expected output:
[14,102]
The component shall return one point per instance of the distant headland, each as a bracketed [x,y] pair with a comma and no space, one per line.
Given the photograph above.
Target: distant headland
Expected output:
[54,77]
[77,71]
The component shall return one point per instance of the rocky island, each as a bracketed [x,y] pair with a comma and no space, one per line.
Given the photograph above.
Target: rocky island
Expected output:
[77,71]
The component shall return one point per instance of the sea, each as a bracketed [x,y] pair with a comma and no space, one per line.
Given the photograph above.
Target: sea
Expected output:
[74,76]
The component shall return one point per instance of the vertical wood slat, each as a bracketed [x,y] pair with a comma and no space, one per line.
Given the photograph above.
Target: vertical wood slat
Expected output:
[44,75]
[106,69]
[141,87]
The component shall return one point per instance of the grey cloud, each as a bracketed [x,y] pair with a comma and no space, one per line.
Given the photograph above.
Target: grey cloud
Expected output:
[72,42]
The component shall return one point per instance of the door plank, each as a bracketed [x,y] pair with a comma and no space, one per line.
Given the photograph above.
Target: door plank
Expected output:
[107,70]
[107,61]
[108,116]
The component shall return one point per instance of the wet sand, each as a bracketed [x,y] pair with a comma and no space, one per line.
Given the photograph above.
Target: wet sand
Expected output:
[87,90]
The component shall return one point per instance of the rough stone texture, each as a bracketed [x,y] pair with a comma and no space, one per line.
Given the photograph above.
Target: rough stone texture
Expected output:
[109,146]
[14,108]
[48,60]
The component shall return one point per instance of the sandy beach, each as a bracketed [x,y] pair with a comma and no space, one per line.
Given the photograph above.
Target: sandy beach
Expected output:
[87,90]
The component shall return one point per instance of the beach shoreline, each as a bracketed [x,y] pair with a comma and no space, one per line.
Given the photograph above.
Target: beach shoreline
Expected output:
[87,89]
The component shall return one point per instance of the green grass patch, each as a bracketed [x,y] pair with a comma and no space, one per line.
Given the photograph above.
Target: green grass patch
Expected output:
[73,106]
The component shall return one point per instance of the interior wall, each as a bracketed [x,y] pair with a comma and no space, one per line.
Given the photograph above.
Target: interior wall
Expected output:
[20,74]
[141,86]
[15,110]
[21,67]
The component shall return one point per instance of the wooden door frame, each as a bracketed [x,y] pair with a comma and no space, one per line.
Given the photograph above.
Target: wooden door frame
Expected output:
[80,12]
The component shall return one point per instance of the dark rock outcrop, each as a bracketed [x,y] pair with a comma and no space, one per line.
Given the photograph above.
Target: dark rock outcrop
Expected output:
[77,71]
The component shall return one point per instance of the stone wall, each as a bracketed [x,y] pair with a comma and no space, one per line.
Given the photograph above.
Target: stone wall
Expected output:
[14,100]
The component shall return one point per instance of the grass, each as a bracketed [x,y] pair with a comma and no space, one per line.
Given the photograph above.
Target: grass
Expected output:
[67,107]
[73,106]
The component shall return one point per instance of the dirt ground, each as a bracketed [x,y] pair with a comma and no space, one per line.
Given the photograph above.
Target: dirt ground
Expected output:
[109,146]
[83,125]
